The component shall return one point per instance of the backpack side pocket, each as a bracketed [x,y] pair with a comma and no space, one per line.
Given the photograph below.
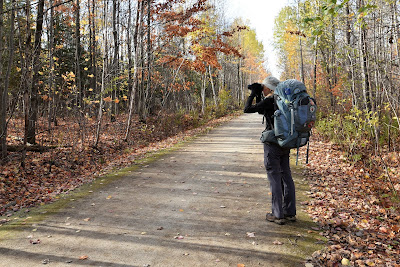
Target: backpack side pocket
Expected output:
[281,126]
[268,136]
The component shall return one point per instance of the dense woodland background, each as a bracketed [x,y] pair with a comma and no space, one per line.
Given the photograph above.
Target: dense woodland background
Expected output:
[92,59]
[88,84]
[347,53]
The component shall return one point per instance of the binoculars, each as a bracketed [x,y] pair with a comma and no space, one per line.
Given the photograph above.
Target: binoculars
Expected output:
[256,87]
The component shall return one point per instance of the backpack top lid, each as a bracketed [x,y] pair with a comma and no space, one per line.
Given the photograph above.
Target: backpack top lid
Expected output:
[287,89]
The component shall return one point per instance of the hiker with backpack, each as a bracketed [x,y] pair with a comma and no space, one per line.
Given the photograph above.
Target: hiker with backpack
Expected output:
[289,118]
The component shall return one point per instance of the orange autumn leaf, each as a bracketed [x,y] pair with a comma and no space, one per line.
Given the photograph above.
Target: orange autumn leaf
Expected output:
[108,99]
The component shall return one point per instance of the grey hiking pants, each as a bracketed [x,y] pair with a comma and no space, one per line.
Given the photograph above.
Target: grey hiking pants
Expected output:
[276,161]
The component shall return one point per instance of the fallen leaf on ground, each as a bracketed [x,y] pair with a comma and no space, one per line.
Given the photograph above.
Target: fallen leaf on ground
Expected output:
[276,242]
[251,234]
[84,257]
[345,262]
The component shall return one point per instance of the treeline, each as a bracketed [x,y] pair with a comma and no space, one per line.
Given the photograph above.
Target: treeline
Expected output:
[95,58]
[347,52]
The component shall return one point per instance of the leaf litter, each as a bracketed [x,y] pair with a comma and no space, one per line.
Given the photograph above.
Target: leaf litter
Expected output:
[354,210]
[71,162]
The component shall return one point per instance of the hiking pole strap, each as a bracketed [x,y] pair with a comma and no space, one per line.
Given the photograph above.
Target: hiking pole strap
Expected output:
[297,157]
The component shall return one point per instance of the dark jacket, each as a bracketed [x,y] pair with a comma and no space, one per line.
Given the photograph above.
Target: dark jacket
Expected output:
[265,107]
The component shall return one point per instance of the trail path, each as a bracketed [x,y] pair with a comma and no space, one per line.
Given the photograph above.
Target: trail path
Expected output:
[201,205]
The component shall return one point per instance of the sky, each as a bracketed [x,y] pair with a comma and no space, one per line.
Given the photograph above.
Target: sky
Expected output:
[260,14]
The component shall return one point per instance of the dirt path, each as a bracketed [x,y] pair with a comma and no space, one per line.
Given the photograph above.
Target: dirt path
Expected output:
[202,205]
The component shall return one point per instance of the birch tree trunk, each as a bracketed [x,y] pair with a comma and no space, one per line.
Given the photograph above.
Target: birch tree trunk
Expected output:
[364,70]
[103,76]
[212,86]
[132,83]
[203,94]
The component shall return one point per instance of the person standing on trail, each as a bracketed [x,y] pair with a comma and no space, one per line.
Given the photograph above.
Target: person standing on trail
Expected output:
[276,158]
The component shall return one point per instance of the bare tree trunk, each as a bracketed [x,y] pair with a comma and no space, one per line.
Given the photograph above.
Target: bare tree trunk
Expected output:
[92,44]
[142,103]
[78,80]
[33,111]
[3,95]
[132,83]
[364,68]
[350,75]
[315,71]
[301,60]
[149,62]
[301,46]
[239,82]
[115,65]
[364,63]
[203,94]
[212,86]
[26,72]
[51,64]
[100,114]
[396,93]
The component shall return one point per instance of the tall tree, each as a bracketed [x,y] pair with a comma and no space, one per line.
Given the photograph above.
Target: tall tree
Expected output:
[78,79]
[3,92]
[133,63]
[30,134]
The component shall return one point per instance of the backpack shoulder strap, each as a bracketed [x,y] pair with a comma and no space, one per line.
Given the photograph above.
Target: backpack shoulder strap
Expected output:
[275,99]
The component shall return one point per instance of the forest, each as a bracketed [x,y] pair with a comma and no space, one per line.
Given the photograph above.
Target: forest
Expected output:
[93,59]
[89,84]
[347,53]
[82,81]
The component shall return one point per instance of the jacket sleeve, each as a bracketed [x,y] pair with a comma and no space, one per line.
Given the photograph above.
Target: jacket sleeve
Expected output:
[267,104]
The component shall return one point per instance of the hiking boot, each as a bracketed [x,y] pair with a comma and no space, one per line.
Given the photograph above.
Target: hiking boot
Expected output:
[290,218]
[271,218]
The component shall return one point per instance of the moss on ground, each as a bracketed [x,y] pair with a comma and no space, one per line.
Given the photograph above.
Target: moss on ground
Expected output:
[300,236]
[22,220]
